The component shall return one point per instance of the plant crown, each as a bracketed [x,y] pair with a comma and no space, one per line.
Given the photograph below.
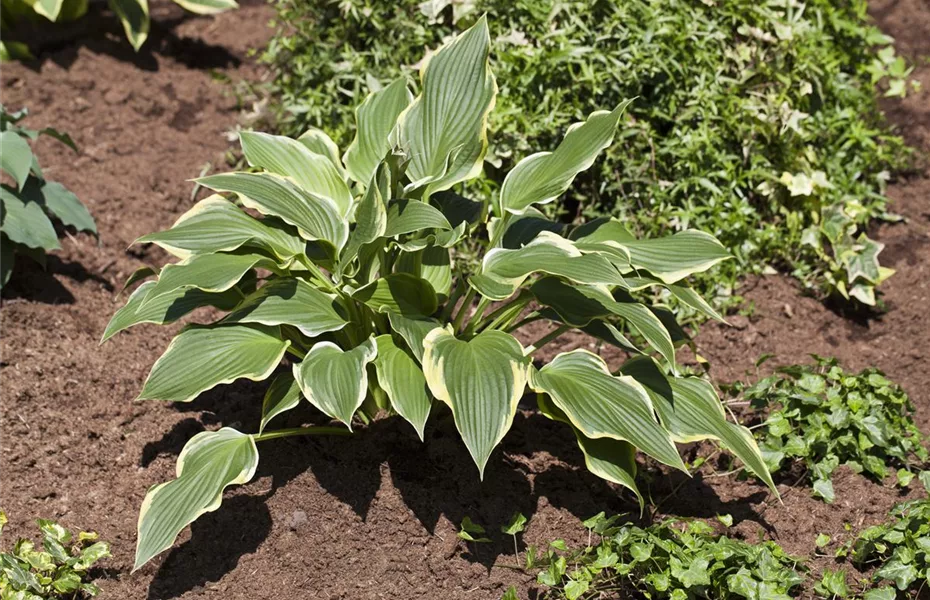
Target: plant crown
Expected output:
[350,274]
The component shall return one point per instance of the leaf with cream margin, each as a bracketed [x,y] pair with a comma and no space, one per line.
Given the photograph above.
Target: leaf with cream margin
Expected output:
[336,381]
[401,378]
[374,120]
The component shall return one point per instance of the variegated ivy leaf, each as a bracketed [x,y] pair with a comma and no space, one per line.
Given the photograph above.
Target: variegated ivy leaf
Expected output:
[403,381]
[400,293]
[503,270]
[291,301]
[284,156]
[544,176]
[374,121]
[217,225]
[482,381]
[336,381]
[315,217]
[209,462]
[444,130]
[602,405]
[690,409]
[208,272]
[201,358]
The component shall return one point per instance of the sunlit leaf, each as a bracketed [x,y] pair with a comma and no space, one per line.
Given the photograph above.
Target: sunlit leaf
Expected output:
[336,381]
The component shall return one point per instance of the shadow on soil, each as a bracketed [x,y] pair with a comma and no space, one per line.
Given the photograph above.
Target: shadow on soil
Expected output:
[30,281]
[435,479]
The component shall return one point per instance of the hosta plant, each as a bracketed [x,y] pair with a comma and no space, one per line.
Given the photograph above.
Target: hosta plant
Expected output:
[349,273]
[32,202]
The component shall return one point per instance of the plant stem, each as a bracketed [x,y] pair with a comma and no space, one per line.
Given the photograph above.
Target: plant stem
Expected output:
[499,312]
[453,298]
[326,281]
[296,352]
[261,437]
[533,316]
[546,339]
[463,309]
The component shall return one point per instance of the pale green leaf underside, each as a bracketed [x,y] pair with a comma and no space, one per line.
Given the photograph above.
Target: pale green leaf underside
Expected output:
[603,405]
[336,381]
[201,358]
[282,395]
[291,301]
[210,461]
[374,121]
[482,381]
[402,379]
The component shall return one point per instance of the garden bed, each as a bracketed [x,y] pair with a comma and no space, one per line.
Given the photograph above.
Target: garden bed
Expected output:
[373,515]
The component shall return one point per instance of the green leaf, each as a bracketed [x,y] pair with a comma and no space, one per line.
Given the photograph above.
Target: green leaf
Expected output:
[414,330]
[49,9]
[167,308]
[575,589]
[481,380]
[134,15]
[217,225]
[207,7]
[25,222]
[319,142]
[403,381]
[336,381]
[66,206]
[408,216]
[201,358]
[282,395]
[400,293]
[206,272]
[601,405]
[902,574]
[290,301]
[315,217]
[515,525]
[210,461]
[444,129]
[375,119]
[313,172]
[544,176]
[882,593]
[677,256]
[371,217]
[823,488]
[471,532]
[15,157]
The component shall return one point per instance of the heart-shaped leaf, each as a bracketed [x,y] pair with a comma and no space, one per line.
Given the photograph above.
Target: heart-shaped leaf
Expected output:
[403,381]
[336,381]
[291,301]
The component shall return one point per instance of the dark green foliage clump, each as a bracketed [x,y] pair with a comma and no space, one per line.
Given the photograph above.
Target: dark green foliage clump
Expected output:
[56,571]
[672,559]
[755,122]
[900,549]
[823,417]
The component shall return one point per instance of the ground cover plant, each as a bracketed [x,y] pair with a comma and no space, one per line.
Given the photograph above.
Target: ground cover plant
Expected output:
[133,15]
[349,274]
[29,205]
[898,549]
[57,571]
[822,417]
[670,559]
[756,122]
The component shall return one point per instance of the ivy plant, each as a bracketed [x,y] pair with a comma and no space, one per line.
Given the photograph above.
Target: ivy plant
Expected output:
[30,205]
[350,274]
[899,550]
[56,571]
[823,417]
[671,559]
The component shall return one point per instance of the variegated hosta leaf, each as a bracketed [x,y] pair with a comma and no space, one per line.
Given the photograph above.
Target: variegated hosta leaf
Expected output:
[217,225]
[371,216]
[690,409]
[482,381]
[66,206]
[207,7]
[291,301]
[403,381]
[444,130]
[336,381]
[408,216]
[374,121]
[167,308]
[315,217]
[602,405]
[440,239]
[49,9]
[401,293]
[283,394]
[318,141]
[433,263]
[414,330]
[134,15]
[503,270]
[544,176]
[579,305]
[208,272]
[210,461]
[15,157]
[610,459]
[25,222]
[284,156]
[201,358]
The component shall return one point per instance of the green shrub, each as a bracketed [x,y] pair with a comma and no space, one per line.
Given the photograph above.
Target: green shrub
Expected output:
[351,274]
[673,559]
[822,417]
[28,207]
[754,121]
[57,571]
[900,549]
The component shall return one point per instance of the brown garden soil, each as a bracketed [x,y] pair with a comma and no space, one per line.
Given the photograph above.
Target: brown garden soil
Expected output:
[374,515]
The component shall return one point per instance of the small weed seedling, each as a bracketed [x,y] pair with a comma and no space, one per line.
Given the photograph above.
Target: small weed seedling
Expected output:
[824,417]
[58,571]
